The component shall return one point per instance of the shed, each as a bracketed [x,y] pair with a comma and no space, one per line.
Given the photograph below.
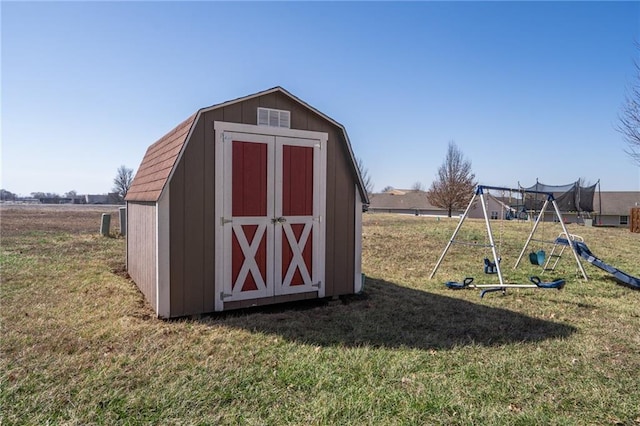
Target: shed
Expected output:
[253,201]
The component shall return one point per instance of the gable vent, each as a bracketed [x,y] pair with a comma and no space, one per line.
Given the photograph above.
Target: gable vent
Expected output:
[274,118]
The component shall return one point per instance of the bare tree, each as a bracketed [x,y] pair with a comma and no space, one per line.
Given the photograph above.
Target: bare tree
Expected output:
[366,177]
[45,195]
[7,195]
[122,181]
[388,188]
[417,186]
[629,116]
[455,182]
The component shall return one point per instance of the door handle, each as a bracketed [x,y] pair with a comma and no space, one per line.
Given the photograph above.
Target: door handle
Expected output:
[278,220]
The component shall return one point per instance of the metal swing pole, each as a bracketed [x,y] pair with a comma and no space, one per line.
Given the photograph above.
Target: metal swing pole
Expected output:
[451,240]
[493,246]
[569,240]
[535,226]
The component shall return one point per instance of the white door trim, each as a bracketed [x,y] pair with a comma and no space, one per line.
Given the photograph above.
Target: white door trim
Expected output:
[224,229]
[314,280]
[233,225]
[223,126]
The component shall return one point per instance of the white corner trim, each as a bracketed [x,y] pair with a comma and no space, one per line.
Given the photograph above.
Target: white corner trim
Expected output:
[126,240]
[357,284]
[163,258]
[322,226]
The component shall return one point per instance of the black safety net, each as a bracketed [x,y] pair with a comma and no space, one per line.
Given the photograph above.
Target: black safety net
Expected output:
[569,198]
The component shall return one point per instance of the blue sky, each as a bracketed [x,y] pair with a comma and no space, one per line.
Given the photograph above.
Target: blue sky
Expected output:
[526,90]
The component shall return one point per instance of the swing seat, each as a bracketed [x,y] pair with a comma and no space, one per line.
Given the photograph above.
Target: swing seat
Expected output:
[490,267]
[557,283]
[537,257]
[454,285]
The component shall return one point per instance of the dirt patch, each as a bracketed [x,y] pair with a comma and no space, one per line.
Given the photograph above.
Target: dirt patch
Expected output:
[121,271]
[21,219]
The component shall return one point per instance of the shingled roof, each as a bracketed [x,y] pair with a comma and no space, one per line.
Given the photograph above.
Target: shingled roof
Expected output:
[616,202]
[158,162]
[161,157]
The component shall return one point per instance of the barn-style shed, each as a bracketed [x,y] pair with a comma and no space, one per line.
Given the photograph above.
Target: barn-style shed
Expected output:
[249,202]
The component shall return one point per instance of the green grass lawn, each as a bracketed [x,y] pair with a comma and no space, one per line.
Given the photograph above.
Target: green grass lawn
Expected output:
[80,345]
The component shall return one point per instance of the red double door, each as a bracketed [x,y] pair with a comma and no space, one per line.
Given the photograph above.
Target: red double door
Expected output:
[272,216]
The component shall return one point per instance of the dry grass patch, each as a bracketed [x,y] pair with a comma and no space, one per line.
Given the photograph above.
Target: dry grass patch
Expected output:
[80,346]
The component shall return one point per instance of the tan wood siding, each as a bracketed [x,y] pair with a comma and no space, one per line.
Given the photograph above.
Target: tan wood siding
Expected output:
[194,222]
[209,218]
[193,225]
[341,245]
[141,248]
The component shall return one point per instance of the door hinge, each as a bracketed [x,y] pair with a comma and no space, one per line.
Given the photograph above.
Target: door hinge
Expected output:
[318,284]
[318,219]
[223,221]
[223,295]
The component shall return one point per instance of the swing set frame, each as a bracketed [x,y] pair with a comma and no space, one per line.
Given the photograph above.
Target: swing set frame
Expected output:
[480,193]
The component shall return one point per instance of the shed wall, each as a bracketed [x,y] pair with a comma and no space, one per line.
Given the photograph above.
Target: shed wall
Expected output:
[192,223]
[141,247]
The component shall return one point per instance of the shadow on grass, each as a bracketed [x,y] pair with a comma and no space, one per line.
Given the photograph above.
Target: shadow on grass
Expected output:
[621,283]
[390,315]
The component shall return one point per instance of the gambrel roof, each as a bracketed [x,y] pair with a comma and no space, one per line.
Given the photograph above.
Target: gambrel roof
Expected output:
[161,157]
[158,162]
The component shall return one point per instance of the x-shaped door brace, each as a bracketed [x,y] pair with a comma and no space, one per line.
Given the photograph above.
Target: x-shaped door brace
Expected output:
[249,251]
[297,247]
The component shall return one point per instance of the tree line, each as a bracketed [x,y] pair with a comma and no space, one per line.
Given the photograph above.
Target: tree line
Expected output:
[121,184]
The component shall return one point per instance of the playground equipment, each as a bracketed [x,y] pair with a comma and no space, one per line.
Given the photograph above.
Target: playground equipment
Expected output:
[493,265]
[538,258]
[619,275]
[572,197]
[562,242]
[557,283]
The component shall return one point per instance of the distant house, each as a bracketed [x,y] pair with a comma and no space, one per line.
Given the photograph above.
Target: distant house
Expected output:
[496,209]
[616,207]
[406,201]
[96,199]
[78,199]
[610,208]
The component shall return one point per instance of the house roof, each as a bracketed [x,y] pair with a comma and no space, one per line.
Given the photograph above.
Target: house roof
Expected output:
[161,157]
[398,199]
[613,202]
[616,202]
